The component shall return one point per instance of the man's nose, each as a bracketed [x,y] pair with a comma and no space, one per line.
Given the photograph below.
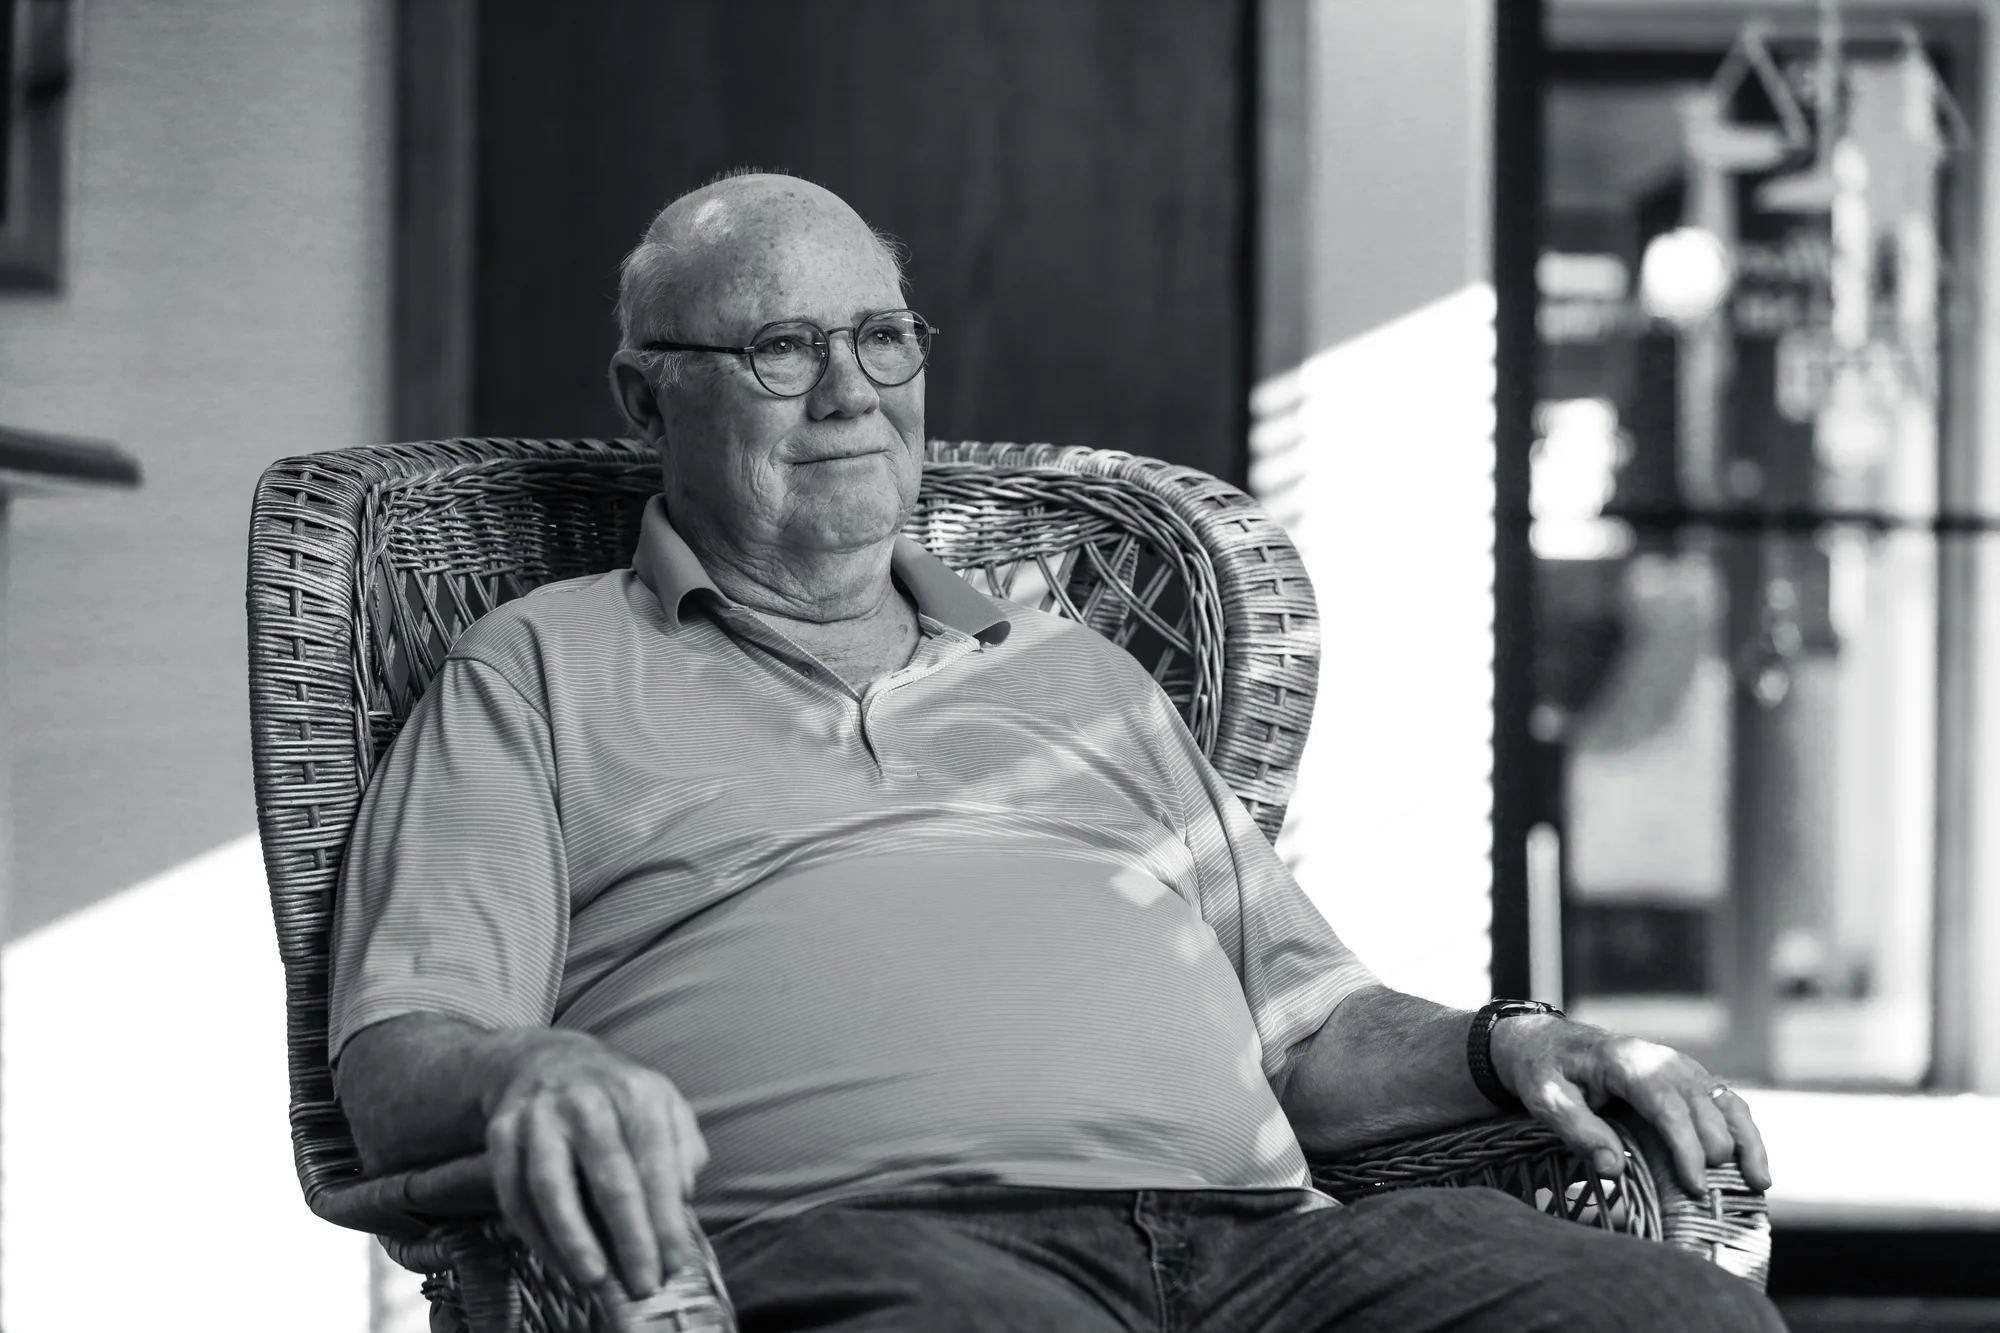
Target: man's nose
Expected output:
[845,389]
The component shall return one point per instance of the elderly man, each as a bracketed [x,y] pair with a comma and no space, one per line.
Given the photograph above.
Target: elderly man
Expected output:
[911,923]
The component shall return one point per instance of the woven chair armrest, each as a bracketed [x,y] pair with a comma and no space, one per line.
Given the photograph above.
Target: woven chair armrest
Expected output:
[481,1277]
[444,1222]
[408,1205]
[1729,1223]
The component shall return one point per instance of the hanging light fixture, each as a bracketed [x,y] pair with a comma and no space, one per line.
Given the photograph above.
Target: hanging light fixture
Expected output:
[1814,189]
[1684,276]
[1741,147]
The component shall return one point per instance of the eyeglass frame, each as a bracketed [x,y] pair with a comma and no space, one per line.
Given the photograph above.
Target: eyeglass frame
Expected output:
[826,341]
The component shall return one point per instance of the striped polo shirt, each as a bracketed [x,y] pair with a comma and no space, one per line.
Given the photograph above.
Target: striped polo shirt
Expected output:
[992,918]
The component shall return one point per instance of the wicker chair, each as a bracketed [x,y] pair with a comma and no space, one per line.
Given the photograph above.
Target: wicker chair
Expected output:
[366,563]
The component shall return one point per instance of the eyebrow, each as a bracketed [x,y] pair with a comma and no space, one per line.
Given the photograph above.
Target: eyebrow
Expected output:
[853,319]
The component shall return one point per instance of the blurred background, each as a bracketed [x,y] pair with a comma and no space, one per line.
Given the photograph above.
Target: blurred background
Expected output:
[1623,369]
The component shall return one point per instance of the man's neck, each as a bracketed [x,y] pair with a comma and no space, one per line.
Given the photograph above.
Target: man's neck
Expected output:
[835,597]
[887,622]
[861,649]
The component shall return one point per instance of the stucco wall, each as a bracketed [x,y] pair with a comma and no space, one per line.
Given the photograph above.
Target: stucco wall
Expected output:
[228,231]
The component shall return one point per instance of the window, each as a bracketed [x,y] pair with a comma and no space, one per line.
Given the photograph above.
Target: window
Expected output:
[1751,413]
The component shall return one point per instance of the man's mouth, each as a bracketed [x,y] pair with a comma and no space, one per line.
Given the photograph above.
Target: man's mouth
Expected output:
[841,458]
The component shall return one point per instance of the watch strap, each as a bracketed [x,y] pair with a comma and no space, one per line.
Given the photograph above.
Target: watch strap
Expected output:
[1479,1047]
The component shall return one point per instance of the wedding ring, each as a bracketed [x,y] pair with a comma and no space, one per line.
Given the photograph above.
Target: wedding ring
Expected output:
[1717,1092]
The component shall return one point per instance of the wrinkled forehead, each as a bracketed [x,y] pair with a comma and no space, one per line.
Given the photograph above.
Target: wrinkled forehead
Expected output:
[794,259]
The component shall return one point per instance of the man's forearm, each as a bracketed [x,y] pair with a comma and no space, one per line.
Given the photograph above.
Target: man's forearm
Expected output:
[1383,1066]
[419,1090]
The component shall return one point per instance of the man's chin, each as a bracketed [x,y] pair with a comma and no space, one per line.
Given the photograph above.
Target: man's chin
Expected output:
[848,522]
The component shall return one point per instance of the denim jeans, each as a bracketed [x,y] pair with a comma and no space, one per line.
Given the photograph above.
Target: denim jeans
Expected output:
[987,1258]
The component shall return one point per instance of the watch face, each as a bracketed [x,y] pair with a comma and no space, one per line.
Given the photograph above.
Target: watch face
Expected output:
[1522,1008]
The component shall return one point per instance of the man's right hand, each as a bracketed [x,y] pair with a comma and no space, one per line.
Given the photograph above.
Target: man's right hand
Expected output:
[581,1131]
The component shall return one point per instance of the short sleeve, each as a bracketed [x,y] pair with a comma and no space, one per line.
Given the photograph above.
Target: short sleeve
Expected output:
[454,897]
[1294,969]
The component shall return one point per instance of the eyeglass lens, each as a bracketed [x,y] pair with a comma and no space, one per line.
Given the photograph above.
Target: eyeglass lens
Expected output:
[790,358]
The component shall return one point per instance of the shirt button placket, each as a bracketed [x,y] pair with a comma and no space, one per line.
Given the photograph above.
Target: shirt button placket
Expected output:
[867,739]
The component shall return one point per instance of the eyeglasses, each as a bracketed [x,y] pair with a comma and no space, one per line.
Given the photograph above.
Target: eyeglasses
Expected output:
[790,357]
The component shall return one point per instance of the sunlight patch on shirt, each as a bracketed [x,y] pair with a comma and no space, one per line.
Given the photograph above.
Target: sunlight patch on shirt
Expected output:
[1275,1139]
[1138,887]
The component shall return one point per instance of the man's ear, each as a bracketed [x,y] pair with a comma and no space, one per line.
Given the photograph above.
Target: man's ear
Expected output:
[636,397]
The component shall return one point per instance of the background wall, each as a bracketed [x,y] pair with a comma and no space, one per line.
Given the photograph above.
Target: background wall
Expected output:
[1071,179]
[228,241]
[225,305]
[1400,159]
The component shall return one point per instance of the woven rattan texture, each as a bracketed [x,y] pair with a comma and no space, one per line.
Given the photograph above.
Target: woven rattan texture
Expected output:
[365,564]
[512,1288]
[1729,1224]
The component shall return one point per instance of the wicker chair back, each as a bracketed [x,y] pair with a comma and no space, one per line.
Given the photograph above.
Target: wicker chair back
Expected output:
[366,564]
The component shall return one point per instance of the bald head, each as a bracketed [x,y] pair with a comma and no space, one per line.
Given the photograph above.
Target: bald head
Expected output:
[705,246]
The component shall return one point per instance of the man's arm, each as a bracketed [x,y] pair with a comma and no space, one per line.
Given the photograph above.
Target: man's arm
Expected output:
[1386,1066]
[554,1110]
[451,929]
[419,1090]
[1382,1065]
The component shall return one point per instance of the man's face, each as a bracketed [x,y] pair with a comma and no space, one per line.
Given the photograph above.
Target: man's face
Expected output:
[835,469]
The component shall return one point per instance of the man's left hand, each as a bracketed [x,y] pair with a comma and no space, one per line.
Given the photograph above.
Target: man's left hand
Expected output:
[1564,1072]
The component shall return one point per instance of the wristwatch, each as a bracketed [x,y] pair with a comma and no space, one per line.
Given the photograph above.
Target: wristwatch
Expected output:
[1479,1046]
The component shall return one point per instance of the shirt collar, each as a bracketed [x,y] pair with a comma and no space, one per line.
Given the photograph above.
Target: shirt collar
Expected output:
[667,565]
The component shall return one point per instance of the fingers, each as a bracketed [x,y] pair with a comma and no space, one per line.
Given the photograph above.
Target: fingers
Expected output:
[550,1173]
[1749,1141]
[1668,1110]
[1561,1105]
[1670,1090]
[602,1164]
[1718,1144]
[693,1148]
[691,1153]
[617,1195]
[505,1149]
[537,1159]
[666,1176]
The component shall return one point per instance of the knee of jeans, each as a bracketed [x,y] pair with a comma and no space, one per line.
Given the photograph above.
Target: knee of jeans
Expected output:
[1666,1290]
